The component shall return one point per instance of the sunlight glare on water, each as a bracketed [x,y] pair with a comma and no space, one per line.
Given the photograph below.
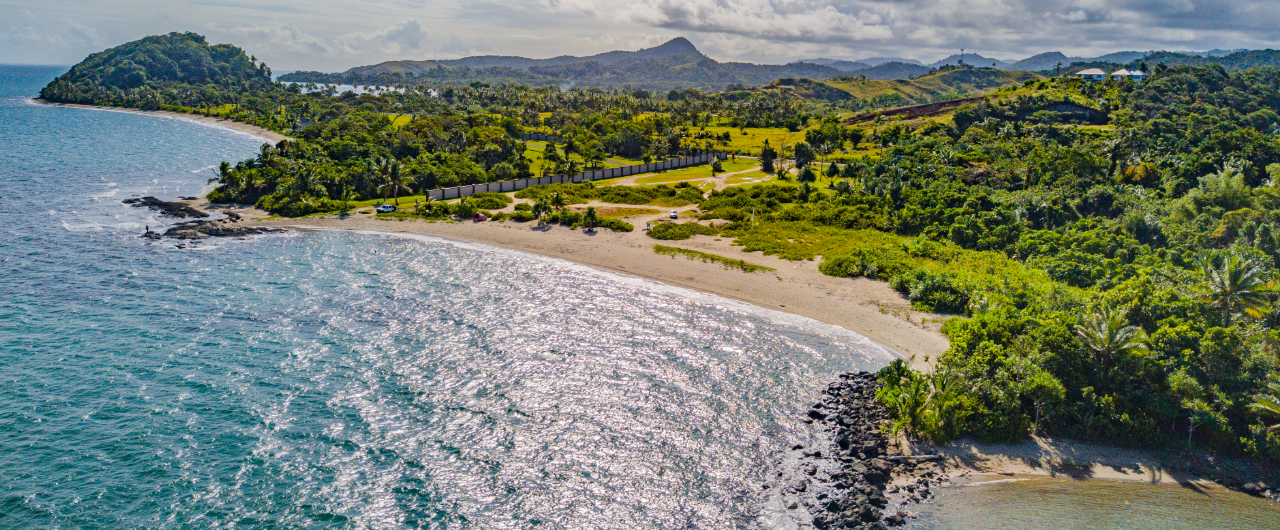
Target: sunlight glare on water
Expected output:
[356,380]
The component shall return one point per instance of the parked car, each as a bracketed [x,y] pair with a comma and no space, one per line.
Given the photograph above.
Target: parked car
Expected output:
[386,208]
[675,214]
[479,217]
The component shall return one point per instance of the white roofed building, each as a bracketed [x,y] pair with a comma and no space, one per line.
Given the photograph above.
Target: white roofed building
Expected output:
[1092,74]
[1136,75]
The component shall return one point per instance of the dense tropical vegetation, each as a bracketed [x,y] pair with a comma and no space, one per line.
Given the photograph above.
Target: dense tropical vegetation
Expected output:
[1116,282]
[1110,250]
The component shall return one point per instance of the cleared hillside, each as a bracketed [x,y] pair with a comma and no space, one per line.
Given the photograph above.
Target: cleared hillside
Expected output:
[944,84]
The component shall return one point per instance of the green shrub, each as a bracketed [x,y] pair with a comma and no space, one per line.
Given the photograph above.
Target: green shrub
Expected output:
[490,201]
[617,225]
[939,293]
[674,231]
[877,265]
[524,207]
[564,217]
[523,216]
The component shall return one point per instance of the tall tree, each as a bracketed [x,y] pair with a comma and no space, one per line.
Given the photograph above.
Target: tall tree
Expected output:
[1232,283]
[1109,335]
[393,179]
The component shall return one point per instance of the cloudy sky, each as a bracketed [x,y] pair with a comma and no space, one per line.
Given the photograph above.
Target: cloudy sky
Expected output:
[334,35]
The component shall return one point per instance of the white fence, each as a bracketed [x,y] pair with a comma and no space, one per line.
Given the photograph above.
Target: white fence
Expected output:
[586,176]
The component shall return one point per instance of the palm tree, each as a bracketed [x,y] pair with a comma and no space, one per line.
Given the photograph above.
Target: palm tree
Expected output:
[1268,402]
[1109,335]
[1234,282]
[540,209]
[393,180]
[557,201]
[589,218]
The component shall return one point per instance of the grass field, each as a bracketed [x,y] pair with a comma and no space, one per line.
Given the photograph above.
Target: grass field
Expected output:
[751,143]
[400,120]
[622,212]
[754,177]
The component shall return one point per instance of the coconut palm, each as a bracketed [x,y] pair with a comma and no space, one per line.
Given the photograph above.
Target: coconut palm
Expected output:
[393,179]
[540,209]
[1268,402]
[1234,283]
[557,201]
[590,218]
[1108,334]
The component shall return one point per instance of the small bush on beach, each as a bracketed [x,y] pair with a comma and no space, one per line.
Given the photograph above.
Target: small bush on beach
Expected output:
[675,231]
[727,263]
[523,216]
[617,225]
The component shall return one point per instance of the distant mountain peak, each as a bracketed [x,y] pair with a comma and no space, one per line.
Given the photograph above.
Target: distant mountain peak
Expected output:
[675,46]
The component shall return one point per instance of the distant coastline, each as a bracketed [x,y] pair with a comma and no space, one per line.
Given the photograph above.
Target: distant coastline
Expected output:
[266,134]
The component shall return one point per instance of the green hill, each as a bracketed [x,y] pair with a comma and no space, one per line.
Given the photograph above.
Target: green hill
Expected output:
[150,72]
[676,64]
[943,84]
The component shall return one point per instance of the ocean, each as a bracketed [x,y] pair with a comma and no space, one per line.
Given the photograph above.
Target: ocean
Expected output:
[377,381]
[356,380]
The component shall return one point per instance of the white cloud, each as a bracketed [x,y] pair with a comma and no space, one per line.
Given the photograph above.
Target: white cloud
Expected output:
[339,34]
[785,20]
[406,36]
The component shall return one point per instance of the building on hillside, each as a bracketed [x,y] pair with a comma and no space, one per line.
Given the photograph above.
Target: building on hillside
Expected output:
[1092,74]
[1135,75]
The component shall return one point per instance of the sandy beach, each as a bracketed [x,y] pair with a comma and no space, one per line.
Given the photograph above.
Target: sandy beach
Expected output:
[866,307]
[266,134]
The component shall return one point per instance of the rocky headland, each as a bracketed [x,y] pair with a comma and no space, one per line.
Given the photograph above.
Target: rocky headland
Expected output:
[850,479]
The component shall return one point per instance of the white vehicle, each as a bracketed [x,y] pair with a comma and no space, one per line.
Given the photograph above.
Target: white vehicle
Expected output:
[386,208]
[675,214]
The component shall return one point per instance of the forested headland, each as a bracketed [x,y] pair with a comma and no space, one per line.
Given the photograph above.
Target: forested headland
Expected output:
[1109,250]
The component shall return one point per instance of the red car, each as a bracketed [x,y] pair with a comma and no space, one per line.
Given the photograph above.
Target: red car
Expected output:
[479,217]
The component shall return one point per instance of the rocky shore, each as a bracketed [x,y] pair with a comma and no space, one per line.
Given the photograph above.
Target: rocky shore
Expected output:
[851,480]
[196,230]
[166,208]
[229,226]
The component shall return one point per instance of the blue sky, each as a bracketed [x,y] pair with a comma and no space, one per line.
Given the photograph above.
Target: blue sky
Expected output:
[335,35]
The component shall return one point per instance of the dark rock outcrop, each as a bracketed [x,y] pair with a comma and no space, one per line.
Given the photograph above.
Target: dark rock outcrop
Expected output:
[845,479]
[166,208]
[206,229]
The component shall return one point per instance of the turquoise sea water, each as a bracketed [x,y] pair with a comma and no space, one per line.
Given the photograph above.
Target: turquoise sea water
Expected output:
[340,380]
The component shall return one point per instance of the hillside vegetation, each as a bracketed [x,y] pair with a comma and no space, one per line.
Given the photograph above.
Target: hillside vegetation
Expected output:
[166,68]
[942,84]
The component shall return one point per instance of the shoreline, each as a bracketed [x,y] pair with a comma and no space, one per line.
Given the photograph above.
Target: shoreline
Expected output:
[865,307]
[968,462]
[253,130]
